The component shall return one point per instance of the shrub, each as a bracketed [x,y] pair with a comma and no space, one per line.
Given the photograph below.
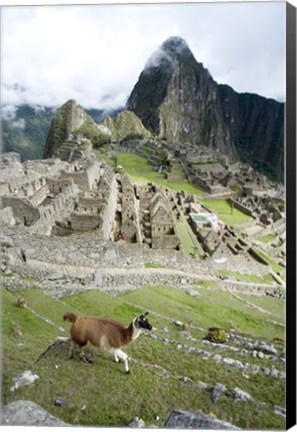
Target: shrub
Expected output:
[216,335]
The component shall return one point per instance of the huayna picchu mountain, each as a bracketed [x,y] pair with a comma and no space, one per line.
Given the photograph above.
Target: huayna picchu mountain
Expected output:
[178,100]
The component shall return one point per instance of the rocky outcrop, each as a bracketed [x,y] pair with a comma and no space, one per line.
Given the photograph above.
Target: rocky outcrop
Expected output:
[178,100]
[28,413]
[187,420]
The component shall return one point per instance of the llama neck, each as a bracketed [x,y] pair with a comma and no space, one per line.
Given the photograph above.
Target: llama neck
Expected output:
[136,330]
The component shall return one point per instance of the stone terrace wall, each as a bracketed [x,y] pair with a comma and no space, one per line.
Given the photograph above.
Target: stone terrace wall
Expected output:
[83,249]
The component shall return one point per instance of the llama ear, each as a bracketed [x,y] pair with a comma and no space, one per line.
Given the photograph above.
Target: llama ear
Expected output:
[146,313]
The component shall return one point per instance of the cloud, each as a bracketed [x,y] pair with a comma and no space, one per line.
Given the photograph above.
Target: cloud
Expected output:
[94,54]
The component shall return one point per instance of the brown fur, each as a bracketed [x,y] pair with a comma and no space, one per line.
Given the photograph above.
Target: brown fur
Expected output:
[186,325]
[100,332]
[22,302]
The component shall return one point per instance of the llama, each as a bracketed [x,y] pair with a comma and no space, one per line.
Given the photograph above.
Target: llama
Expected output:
[186,325]
[22,302]
[104,333]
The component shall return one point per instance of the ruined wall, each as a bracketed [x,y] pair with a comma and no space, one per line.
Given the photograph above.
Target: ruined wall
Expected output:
[61,205]
[165,242]
[108,211]
[39,196]
[23,210]
[85,222]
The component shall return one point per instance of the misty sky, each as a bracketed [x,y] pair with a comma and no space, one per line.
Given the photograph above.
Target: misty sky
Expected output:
[95,54]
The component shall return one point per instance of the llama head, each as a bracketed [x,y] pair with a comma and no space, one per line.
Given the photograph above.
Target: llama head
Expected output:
[142,323]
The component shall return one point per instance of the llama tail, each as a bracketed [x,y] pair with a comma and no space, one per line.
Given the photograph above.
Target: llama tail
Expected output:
[70,316]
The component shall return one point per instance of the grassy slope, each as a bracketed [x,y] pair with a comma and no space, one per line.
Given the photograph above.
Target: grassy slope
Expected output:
[111,397]
[142,172]
[223,210]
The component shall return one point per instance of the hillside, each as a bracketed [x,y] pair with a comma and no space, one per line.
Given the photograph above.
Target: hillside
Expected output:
[170,368]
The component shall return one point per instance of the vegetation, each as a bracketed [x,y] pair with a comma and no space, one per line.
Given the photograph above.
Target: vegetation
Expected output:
[216,335]
[91,131]
[267,238]
[244,277]
[189,243]
[148,392]
[142,172]
[225,212]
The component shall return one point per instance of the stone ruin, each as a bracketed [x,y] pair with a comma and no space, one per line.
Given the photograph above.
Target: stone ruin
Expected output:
[55,197]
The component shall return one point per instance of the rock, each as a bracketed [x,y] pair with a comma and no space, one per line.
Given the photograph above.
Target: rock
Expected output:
[197,420]
[185,334]
[217,358]
[268,349]
[239,394]
[28,413]
[56,276]
[217,392]
[60,402]
[192,293]
[137,423]
[279,410]
[255,369]
[98,278]
[23,380]
[239,365]
[274,372]
[178,323]
[260,355]
[201,385]
[186,380]
[228,361]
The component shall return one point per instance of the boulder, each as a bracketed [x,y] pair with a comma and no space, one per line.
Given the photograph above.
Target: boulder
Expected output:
[137,423]
[217,392]
[28,413]
[187,420]
[239,394]
[23,380]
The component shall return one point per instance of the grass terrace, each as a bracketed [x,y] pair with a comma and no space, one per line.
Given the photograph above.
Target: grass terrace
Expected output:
[225,213]
[141,172]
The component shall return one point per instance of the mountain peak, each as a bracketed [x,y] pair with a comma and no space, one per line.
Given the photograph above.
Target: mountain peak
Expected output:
[169,53]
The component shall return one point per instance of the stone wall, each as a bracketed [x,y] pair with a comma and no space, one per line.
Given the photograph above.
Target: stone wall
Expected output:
[39,196]
[23,210]
[108,211]
[85,222]
[165,242]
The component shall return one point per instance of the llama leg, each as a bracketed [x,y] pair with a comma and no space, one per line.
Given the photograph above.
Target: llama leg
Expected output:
[116,359]
[71,350]
[119,354]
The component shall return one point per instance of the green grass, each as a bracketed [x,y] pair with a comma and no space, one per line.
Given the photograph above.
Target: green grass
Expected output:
[275,267]
[153,265]
[223,209]
[141,172]
[266,239]
[274,305]
[112,398]
[189,243]
[243,277]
